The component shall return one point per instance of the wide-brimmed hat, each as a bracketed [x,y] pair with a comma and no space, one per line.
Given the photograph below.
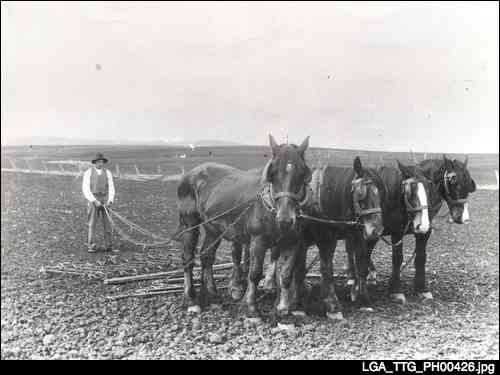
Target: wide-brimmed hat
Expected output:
[99,156]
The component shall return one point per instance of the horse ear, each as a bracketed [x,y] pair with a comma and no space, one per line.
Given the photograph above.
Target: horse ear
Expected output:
[448,164]
[466,161]
[358,167]
[303,146]
[404,170]
[265,173]
[273,144]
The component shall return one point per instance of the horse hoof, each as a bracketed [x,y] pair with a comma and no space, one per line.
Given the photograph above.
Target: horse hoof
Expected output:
[195,309]
[299,314]
[351,282]
[399,298]
[426,296]
[335,316]
[366,309]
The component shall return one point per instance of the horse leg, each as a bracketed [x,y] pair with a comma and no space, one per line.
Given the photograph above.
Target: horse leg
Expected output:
[395,287]
[236,288]
[189,242]
[270,279]
[208,290]
[351,274]
[257,253]
[420,259]
[246,261]
[372,272]
[285,270]
[299,290]
[328,293]
[360,290]
[371,279]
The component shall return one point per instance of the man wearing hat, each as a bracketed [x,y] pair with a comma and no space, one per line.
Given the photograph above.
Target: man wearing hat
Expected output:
[99,190]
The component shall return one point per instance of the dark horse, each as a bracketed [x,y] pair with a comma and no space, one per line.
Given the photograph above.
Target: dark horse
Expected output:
[444,180]
[454,184]
[408,207]
[261,206]
[349,199]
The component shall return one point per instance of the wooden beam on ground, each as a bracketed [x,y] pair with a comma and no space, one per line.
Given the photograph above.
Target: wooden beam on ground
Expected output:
[160,275]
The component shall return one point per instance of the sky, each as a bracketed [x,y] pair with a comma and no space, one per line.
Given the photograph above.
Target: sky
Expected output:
[388,76]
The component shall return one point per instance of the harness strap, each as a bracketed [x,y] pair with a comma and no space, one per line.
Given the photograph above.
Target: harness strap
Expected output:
[326,221]
[288,194]
[370,211]
[416,209]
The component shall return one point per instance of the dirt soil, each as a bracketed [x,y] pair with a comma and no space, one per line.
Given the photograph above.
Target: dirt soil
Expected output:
[43,223]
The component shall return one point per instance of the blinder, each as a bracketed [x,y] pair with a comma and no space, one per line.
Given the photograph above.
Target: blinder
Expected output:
[363,183]
[447,177]
[406,191]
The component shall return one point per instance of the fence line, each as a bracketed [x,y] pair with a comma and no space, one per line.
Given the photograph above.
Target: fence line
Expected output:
[316,159]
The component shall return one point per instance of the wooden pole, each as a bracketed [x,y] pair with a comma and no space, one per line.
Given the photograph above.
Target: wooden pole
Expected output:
[150,293]
[159,169]
[136,170]
[160,275]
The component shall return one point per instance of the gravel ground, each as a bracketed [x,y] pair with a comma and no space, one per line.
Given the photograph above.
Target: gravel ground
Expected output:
[43,223]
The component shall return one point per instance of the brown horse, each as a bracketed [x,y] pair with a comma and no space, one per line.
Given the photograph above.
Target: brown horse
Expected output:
[408,208]
[348,200]
[439,180]
[246,205]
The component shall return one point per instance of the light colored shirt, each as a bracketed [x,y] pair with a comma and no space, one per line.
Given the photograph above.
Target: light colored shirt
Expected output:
[86,185]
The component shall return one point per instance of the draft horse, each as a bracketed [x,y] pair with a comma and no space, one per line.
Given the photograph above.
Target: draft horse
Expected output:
[247,206]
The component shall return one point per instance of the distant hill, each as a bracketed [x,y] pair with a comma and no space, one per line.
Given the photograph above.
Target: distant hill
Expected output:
[61,141]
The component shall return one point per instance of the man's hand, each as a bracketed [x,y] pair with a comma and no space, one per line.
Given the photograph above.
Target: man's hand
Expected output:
[97,203]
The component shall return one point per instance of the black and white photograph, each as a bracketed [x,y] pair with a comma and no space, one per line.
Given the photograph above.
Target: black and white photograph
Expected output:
[251,180]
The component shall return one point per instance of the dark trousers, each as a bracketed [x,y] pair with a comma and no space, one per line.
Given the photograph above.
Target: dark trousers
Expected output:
[95,214]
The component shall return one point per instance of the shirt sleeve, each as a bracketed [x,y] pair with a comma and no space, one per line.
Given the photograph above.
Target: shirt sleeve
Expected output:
[111,187]
[86,187]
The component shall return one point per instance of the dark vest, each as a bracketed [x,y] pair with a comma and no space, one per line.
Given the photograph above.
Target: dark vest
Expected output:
[99,184]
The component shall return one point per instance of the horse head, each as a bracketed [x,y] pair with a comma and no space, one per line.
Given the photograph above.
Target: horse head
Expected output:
[366,202]
[416,191]
[287,175]
[456,185]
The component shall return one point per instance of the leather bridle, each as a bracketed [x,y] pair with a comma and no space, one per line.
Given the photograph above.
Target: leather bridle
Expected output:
[407,187]
[358,211]
[448,176]
[270,199]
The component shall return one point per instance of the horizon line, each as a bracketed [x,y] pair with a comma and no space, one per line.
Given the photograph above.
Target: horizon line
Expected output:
[245,145]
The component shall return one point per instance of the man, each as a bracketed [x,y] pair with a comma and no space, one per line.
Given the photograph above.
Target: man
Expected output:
[99,189]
